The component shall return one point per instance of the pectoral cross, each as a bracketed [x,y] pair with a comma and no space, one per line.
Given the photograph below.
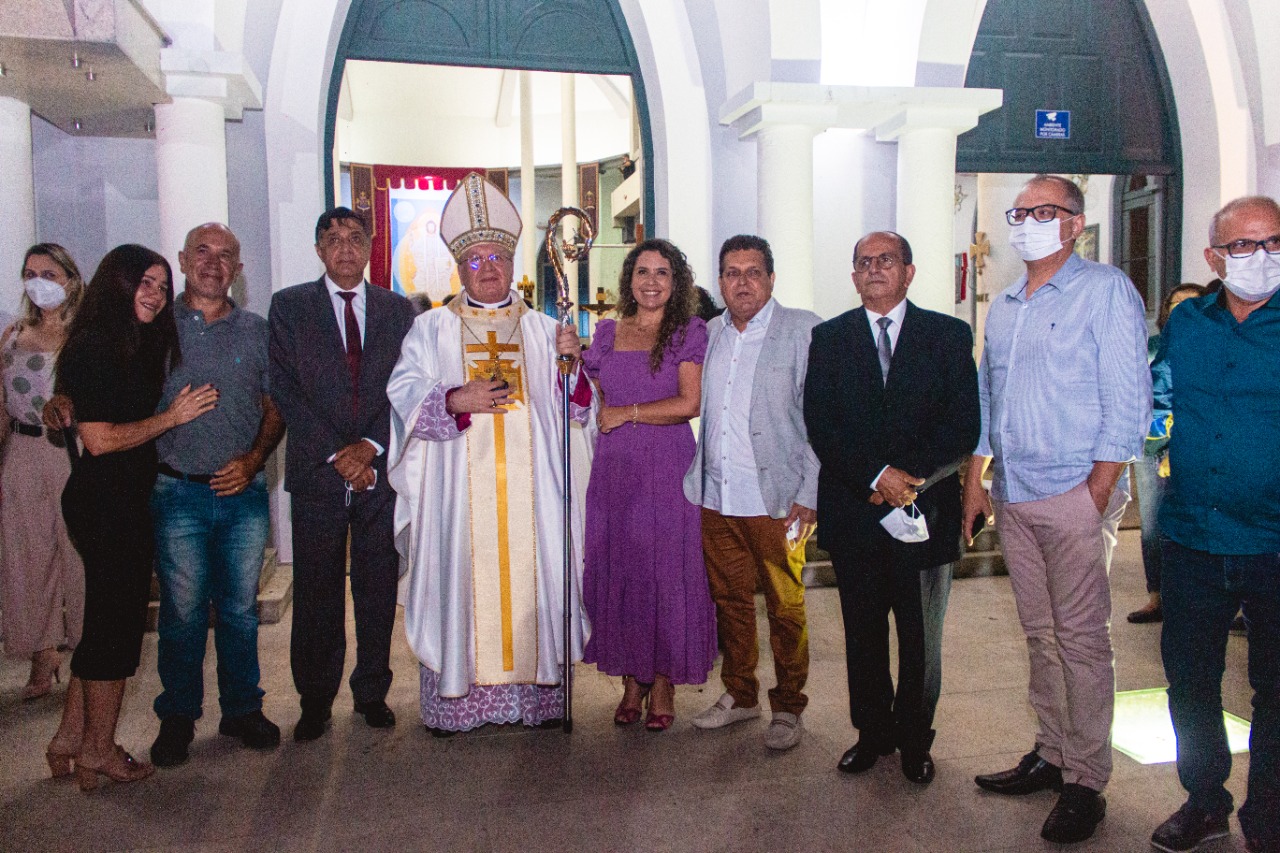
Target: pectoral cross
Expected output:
[495,367]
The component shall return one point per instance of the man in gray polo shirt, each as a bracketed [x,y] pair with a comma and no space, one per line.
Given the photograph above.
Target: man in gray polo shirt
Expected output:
[210,505]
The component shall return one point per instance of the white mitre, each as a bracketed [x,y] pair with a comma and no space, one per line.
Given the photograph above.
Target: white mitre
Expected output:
[478,212]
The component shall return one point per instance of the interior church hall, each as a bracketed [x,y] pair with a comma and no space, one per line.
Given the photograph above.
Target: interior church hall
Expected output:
[810,123]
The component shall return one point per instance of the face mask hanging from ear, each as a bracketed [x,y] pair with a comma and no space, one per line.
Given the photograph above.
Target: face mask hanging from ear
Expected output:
[906,526]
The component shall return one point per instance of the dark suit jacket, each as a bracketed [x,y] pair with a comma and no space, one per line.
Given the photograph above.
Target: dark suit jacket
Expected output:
[312,387]
[925,421]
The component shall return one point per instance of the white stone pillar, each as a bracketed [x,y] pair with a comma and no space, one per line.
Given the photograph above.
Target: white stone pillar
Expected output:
[926,212]
[17,188]
[569,169]
[191,166]
[784,208]
[926,136]
[528,178]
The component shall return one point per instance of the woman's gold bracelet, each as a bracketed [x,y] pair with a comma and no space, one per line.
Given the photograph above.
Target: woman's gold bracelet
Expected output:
[635,414]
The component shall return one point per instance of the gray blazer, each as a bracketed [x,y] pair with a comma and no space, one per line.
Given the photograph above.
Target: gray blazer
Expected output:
[787,464]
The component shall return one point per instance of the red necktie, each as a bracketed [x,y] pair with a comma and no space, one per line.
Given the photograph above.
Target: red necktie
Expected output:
[354,349]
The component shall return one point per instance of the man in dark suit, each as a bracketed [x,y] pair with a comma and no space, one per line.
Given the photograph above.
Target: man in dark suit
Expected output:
[333,344]
[891,405]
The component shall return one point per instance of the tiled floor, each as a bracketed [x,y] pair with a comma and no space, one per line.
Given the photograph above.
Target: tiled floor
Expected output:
[603,788]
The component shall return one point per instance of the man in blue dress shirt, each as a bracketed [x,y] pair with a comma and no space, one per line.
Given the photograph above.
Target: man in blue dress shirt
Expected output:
[1066,398]
[1220,524]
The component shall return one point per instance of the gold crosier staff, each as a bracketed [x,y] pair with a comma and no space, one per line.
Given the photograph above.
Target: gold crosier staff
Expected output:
[560,250]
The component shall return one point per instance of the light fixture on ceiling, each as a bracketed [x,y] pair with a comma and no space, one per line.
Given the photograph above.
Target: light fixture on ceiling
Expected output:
[75,59]
[3,70]
[89,75]
[148,126]
[75,123]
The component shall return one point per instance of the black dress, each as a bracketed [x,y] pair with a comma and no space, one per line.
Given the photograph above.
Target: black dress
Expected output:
[106,503]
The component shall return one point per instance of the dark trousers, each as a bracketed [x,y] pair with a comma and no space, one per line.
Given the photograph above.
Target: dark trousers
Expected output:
[871,586]
[319,638]
[1201,594]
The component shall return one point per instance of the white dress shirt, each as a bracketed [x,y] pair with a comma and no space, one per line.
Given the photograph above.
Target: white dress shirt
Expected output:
[731,484]
[895,315]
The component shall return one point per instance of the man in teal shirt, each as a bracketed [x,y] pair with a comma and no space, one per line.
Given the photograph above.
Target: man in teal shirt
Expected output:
[1220,525]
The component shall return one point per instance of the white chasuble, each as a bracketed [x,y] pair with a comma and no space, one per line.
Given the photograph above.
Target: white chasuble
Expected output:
[503,527]
[483,584]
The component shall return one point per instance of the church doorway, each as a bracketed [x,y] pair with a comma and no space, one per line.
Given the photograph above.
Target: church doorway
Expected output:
[546,99]
[1086,96]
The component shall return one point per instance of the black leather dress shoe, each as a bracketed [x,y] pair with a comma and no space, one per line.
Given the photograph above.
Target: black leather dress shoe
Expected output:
[1188,828]
[313,723]
[254,730]
[376,714]
[862,756]
[1147,615]
[1076,816]
[170,746]
[1032,774]
[917,766]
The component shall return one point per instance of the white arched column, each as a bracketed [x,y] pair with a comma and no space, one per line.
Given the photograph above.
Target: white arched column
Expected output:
[191,170]
[924,121]
[206,89]
[926,136]
[784,207]
[17,188]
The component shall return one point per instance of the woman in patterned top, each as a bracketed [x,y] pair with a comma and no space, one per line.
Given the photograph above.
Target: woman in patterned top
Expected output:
[41,578]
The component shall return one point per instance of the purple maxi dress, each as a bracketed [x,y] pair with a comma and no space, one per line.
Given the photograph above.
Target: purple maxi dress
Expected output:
[645,584]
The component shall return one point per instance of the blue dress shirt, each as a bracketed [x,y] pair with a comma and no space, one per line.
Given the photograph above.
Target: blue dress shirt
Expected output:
[1223,495]
[1064,381]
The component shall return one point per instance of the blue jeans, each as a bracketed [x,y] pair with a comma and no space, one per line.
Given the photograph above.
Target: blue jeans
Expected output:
[1201,593]
[1151,488]
[208,550]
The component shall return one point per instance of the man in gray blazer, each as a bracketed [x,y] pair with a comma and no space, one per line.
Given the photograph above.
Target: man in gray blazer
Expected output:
[756,478]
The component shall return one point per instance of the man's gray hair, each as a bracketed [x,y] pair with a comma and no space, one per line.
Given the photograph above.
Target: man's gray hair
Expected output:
[1068,186]
[1235,205]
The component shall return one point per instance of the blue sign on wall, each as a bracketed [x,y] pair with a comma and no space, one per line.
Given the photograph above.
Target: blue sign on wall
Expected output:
[1053,124]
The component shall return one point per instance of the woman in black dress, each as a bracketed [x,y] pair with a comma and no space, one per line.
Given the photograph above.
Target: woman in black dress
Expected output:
[112,368]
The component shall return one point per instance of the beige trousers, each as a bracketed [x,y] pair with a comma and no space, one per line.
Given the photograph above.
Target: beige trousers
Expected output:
[1058,551]
[41,576]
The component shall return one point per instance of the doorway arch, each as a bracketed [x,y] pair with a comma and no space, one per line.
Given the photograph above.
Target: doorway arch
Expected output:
[581,36]
[1100,61]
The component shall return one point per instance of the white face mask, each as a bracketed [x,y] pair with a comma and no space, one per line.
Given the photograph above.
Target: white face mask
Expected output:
[1034,240]
[1254,278]
[44,293]
[906,526]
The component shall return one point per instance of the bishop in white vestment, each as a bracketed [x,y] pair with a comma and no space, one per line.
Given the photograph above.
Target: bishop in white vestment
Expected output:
[476,464]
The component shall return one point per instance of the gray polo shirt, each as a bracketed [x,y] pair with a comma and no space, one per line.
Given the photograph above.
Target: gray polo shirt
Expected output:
[231,353]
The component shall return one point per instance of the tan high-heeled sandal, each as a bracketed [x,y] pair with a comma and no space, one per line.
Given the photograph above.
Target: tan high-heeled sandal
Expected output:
[129,770]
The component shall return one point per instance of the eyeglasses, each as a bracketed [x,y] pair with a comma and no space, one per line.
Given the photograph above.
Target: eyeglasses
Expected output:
[1040,213]
[356,240]
[753,274]
[884,262]
[1246,248]
[477,261]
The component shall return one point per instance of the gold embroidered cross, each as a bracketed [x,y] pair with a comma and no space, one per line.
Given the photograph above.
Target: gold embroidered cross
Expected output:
[495,367]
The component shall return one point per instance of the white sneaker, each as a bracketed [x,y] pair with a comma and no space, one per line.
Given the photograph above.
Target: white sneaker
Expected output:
[722,713]
[784,731]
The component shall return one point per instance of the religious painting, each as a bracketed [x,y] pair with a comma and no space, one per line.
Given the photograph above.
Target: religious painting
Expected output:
[1087,243]
[408,255]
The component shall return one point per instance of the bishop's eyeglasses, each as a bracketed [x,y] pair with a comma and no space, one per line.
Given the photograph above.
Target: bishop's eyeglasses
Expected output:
[884,262]
[476,261]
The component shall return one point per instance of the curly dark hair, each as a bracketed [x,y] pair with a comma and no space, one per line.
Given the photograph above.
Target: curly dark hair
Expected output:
[682,306]
[107,310]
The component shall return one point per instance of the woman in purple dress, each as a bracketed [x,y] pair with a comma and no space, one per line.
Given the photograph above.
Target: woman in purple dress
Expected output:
[645,585]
